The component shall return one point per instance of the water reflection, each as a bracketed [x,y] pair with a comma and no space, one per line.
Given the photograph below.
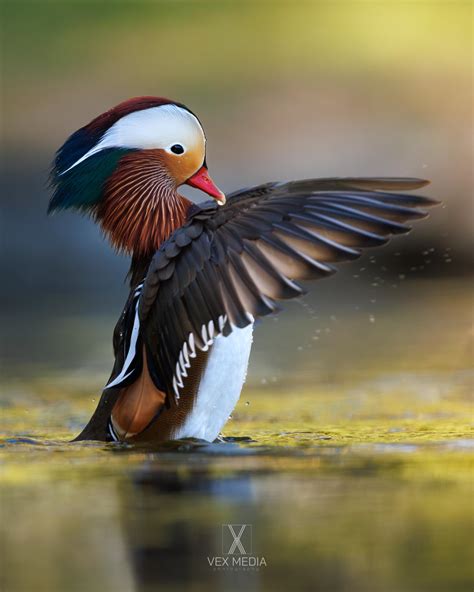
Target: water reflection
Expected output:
[343,522]
[360,518]
[173,524]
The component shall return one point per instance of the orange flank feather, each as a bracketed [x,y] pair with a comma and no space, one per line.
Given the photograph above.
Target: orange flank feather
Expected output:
[137,405]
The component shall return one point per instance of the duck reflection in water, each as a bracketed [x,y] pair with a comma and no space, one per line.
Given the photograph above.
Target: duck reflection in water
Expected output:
[173,518]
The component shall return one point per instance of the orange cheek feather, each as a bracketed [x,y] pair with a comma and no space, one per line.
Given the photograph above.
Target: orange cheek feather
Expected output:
[182,167]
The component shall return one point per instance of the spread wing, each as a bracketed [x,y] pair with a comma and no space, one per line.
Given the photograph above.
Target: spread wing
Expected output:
[230,265]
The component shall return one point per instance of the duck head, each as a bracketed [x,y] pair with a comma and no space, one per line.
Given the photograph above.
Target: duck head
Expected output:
[125,166]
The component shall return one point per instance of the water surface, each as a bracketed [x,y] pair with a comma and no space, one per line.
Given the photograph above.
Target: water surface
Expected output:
[348,458]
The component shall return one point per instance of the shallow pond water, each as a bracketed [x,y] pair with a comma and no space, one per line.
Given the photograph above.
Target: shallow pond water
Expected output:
[363,482]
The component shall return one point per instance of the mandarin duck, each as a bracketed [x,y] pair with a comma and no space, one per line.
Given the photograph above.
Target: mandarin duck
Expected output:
[201,275]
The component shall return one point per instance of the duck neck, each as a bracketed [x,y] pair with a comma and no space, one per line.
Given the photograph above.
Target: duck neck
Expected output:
[139,210]
[138,269]
[140,229]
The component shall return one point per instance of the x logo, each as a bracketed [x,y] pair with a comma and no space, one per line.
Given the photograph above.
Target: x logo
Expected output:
[237,543]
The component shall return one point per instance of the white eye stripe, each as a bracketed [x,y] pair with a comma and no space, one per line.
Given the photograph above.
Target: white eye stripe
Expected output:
[158,127]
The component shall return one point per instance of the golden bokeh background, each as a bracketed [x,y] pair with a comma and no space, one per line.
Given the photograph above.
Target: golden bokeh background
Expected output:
[358,399]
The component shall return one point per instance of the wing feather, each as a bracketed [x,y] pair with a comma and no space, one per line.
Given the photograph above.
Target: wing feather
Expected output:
[229,265]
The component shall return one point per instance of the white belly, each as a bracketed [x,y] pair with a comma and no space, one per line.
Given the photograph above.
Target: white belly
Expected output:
[220,386]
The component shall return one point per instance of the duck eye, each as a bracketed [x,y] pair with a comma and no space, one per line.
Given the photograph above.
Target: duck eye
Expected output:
[177,149]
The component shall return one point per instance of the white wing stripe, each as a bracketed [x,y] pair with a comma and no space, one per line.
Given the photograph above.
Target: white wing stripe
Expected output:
[210,329]
[192,345]
[208,334]
[222,321]
[187,363]
[125,373]
[175,388]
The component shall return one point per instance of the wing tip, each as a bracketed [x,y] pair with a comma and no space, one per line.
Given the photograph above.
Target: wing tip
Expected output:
[401,183]
[429,202]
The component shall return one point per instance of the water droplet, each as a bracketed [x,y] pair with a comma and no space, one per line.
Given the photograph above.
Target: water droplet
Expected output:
[401,276]
[247,403]
[372,318]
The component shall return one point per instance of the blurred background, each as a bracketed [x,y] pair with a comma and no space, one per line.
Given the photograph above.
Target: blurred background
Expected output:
[284,90]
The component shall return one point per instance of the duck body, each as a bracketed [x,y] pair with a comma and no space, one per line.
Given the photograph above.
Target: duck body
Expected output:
[201,275]
[212,391]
